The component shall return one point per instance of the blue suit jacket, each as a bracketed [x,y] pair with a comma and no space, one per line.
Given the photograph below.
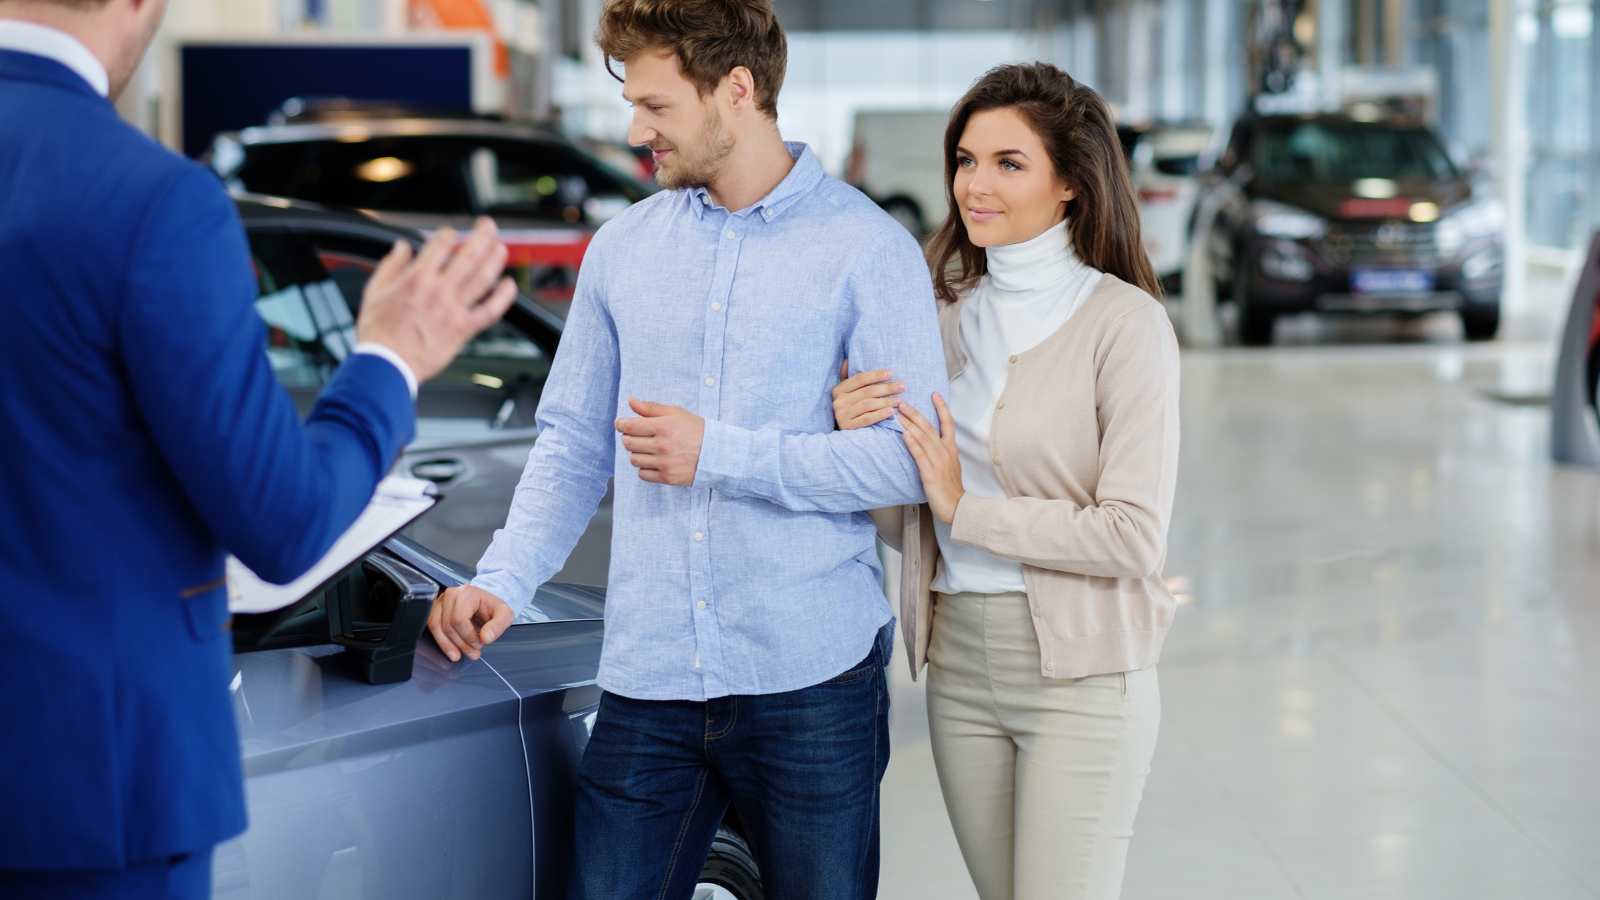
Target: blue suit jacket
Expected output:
[144,436]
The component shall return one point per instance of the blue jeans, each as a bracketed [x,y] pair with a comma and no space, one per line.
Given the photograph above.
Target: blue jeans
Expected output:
[181,878]
[800,770]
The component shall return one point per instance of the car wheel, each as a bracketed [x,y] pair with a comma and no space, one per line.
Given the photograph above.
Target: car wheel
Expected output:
[1481,324]
[1255,325]
[730,872]
[907,214]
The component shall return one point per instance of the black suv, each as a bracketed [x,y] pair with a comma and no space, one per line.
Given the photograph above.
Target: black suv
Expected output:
[1336,214]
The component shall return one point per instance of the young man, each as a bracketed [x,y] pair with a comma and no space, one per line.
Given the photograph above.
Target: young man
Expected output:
[745,623]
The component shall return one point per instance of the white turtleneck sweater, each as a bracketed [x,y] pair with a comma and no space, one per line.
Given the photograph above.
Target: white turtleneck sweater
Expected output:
[1029,293]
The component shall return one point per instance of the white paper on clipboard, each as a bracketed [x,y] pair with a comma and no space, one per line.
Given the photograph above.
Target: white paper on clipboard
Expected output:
[397,503]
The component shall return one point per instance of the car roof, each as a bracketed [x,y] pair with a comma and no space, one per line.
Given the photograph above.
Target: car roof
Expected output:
[420,127]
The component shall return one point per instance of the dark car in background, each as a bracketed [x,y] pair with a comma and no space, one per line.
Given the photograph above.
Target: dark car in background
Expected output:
[1335,214]
[547,194]
[475,421]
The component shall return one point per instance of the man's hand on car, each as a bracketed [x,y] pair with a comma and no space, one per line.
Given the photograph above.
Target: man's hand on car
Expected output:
[465,619]
[425,306]
[663,442]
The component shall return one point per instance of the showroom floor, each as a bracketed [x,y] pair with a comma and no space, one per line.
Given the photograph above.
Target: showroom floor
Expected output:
[1384,681]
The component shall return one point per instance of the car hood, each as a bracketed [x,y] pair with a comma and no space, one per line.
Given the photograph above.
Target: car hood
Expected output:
[1343,201]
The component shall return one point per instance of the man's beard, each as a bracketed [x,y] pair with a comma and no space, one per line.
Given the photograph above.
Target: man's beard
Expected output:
[699,170]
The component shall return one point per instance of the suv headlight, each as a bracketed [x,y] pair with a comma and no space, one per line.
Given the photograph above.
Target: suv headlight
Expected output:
[1469,222]
[1277,220]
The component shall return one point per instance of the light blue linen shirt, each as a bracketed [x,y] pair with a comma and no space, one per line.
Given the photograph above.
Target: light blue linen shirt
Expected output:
[763,575]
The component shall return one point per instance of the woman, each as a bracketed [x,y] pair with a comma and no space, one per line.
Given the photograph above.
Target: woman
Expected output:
[1032,577]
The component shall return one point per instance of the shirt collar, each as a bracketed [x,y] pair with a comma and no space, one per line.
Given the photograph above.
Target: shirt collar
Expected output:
[804,176]
[39,40]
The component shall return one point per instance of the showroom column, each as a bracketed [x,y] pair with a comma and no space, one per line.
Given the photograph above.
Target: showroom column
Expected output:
[1332,18]
[1509,81]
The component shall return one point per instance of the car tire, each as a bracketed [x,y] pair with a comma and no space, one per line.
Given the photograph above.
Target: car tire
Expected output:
[1481,324]
[730,871]
[908,214]
[1255,325]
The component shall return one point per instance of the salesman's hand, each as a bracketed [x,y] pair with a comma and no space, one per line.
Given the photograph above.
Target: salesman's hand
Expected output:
[426,306]
[663,443]
[466,618]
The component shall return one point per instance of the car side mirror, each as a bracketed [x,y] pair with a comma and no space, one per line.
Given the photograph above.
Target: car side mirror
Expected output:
[375,609]
[377,616]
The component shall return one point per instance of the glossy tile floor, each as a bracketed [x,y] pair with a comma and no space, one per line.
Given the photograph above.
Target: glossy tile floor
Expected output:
[1385,679]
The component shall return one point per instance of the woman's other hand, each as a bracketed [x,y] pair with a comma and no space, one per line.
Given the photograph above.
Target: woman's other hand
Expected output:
[936,456]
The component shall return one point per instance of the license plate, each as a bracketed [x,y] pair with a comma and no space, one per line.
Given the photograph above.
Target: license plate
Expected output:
[1391,281]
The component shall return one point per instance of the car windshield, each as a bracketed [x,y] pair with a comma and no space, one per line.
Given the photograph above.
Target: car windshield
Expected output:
[1342,152]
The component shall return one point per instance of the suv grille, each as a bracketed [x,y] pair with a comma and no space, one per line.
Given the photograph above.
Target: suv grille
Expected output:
[1388,243]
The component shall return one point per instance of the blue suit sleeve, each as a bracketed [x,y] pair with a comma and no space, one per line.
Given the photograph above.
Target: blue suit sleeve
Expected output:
[569,465]
[274,492]
[894,326]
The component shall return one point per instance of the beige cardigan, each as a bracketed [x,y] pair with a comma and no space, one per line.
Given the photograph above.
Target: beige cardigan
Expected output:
[1085,441]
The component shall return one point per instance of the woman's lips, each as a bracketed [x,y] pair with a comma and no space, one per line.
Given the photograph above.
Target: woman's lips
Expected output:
[979,214]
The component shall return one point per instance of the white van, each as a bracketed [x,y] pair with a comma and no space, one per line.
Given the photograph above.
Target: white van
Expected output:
[1165,161]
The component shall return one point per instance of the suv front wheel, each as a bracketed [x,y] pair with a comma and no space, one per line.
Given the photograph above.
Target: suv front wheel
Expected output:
[1480,323]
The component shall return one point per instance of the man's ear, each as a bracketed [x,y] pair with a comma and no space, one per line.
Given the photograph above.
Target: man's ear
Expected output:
[741,88]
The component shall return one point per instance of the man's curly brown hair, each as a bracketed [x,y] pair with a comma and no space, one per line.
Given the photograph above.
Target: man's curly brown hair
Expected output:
[710,38]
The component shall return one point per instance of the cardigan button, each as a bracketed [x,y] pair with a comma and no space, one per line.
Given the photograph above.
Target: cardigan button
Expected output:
[1000,405]
[1013,360]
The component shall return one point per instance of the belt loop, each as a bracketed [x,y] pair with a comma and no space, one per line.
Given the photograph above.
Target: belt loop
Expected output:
[1124,683]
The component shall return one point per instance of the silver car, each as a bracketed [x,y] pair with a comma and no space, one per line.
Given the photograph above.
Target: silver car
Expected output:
[375,768]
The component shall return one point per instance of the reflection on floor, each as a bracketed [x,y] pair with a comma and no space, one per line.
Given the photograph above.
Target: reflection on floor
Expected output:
[1385,681]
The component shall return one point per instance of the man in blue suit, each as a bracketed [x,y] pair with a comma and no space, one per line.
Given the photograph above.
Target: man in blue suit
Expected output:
[145,438]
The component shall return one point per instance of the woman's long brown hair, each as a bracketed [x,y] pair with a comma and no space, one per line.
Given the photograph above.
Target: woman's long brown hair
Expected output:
[1075,125]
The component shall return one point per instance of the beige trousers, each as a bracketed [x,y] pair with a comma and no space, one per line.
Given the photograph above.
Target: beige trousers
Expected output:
[1042,777]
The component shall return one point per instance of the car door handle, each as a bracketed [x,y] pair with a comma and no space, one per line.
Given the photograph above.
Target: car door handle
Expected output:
[439,470]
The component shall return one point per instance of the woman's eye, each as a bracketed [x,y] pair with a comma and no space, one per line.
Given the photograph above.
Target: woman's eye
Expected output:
[964,161]
[1008,164]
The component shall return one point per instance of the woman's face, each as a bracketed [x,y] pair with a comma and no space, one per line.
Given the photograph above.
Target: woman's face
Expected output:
[1005,184]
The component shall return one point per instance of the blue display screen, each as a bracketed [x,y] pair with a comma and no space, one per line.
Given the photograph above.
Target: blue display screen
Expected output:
[226,87]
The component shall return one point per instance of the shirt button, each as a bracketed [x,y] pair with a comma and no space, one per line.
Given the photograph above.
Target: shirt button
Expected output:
[697,661]
[710,382]
[699,535]
[716,307]
[700,605]
[730,234]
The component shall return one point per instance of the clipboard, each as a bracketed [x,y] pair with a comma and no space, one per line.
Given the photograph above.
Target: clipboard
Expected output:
[394,505]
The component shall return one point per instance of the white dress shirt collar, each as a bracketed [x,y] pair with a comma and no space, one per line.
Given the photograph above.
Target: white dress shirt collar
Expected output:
[40,40]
